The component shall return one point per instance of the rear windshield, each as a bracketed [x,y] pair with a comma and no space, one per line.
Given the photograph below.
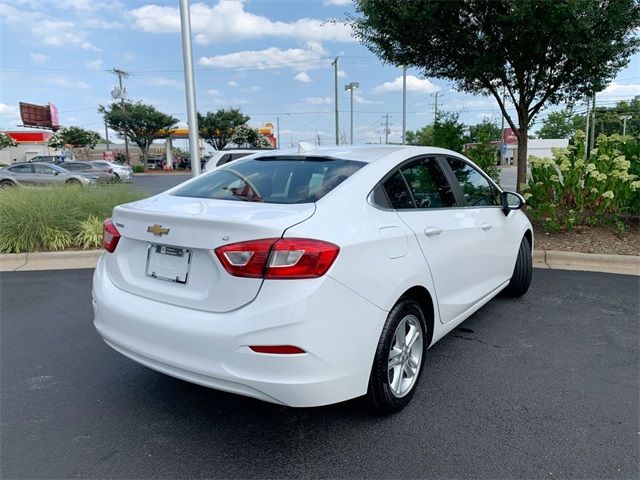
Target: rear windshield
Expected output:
[272,180]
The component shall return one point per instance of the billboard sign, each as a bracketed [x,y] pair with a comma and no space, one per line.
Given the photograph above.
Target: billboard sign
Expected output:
[509,137]
[39,116]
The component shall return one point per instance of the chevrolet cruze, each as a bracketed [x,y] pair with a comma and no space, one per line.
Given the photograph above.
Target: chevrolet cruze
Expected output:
[310,276]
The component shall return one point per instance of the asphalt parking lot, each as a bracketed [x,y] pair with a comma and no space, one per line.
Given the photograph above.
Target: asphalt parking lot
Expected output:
[541,387]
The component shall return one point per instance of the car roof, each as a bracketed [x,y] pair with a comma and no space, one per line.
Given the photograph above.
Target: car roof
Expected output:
[362,153]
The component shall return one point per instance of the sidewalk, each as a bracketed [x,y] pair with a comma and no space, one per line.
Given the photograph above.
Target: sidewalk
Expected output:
[620,264]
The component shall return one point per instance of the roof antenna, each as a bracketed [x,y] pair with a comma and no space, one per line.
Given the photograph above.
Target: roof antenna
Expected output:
[305,147]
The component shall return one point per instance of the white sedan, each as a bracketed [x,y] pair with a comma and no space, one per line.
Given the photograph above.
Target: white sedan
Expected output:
[310,276]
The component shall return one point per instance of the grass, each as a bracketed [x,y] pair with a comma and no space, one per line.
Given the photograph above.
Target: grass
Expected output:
[56,218]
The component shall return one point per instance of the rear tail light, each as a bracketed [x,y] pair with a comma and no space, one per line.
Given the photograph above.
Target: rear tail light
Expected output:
[278,258]
[277,349]
[110,235]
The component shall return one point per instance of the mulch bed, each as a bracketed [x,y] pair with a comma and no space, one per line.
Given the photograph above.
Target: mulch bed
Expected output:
[590,240]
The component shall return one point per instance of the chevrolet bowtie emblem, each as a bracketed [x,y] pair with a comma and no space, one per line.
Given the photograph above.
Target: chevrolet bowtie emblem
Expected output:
[157,230]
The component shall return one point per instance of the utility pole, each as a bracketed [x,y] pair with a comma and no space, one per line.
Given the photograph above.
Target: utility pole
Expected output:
[404,105]
[386,129]
[122,94]
[106,133]
[435,110]
[586,140]
[624,123]
[593,122]
[502,131]
[190,87]
[335,88]
[351,87]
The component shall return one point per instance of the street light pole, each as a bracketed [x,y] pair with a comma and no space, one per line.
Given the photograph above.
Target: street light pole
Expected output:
[404,105]
[624,123]
[351,87]
[121,94]
[190,87]
[335,85]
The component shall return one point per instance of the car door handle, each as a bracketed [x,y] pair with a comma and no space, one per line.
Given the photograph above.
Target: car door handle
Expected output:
[432,231]
[486,226]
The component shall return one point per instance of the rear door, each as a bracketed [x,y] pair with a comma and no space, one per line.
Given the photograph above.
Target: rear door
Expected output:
[448,236]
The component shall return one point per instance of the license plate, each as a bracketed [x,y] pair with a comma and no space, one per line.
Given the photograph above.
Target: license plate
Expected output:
[168,263]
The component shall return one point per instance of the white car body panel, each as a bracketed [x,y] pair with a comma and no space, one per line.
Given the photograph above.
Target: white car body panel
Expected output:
[200,331]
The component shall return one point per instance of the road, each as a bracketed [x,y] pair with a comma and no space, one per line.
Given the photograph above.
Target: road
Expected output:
[540,387]
[156,183]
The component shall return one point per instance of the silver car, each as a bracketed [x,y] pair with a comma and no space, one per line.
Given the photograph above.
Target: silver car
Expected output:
[42,174]
[104,174]
[124,173]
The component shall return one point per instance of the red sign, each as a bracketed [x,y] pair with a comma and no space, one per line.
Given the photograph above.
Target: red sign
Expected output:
[109,155]
[55,121]
[509,137]
[30,137]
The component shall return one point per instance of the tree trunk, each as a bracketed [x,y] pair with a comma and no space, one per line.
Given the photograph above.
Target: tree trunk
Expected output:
[523,139]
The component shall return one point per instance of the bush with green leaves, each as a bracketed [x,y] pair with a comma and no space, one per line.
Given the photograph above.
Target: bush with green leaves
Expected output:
[55,218]
[485,156]
[138,168]
[569,190]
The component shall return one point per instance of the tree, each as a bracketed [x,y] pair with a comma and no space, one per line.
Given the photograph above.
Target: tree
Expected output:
[561,124]
[76,138]
[218,128]
[140,122]
[448,132]
[6,141]
[609,119]
[485,131]
[244,136]
[540,51]
[423,136]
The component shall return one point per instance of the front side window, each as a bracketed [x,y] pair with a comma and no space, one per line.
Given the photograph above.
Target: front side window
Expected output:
[44,170]
[477,190]
[428,184]
[272,180]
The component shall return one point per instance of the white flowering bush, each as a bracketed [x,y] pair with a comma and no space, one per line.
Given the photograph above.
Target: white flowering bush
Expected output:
[569,190]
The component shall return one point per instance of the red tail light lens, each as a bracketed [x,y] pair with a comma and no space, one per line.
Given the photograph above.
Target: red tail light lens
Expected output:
[110,236]
[277,349]
[285,258]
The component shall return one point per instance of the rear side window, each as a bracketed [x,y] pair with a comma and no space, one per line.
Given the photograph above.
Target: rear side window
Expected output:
[21,169]
[397,192]
[428,184]
[273,180]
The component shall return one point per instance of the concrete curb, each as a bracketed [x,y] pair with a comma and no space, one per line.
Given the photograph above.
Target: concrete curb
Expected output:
[621,264]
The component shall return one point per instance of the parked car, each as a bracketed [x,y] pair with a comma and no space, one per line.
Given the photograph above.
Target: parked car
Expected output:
[56,159]
[29,173]
[155,163]
[104,175]
[122,172]
[221,157]
[311,276]
[184,163]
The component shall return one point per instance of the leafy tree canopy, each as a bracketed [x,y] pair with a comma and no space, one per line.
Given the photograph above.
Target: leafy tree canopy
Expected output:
[539,51]
[485,131]
[561,124]
[6,141]
[219,128]
[448,132]
[74,137]
[140,122]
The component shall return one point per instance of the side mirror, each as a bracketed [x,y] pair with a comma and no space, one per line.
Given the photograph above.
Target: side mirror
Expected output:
[55,172]
[512,201]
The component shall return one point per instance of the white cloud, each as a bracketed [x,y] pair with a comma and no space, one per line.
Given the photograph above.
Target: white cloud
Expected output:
[128,57]
[164,82]
[253,88]
[302,77]
[414,84]
[213,92]
[228,21]
[232,83]
[618,90]
[336,3]
[94,65]
[319,100]
[6,109]
[61,81]
[38,57]
[342,74]
[103,24]
[361,100]
[59,34]
[272,57]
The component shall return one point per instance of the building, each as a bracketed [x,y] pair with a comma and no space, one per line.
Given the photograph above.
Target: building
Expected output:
[30,144]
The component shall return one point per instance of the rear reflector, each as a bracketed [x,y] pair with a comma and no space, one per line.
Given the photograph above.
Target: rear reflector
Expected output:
[277,349]
[110,236]
[278,258]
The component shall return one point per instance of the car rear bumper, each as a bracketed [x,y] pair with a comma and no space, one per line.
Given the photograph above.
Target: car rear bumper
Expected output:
[338,329]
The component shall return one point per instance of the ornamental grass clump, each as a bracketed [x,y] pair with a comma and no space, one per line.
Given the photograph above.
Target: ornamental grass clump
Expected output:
[567,190]
[57,218]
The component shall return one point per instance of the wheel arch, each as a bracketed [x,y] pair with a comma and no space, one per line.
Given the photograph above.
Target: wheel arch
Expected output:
[421,295]
[528,234]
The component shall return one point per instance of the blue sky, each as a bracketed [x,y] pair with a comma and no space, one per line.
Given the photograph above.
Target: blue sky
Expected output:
[268,57]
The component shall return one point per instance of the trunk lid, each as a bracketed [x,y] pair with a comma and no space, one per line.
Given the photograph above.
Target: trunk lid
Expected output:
[196,226]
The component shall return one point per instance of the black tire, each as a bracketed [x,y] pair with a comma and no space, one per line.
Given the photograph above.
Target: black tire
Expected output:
[74,182]
[521,278]
[380,397]
[7,183]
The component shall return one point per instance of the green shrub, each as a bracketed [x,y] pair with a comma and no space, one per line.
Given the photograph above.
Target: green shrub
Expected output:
[53,218]
[138,168]
[567,190]
[486,157]
[90,235]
